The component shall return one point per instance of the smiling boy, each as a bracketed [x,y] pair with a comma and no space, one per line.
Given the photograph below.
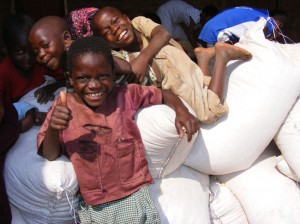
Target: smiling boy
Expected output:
[179,73]
[95,126]
[50,40]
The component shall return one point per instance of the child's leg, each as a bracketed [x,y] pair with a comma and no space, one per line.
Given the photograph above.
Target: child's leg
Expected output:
[204,57]
[223,54]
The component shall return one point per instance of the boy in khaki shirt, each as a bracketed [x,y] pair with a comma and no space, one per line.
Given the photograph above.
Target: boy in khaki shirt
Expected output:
[176,70]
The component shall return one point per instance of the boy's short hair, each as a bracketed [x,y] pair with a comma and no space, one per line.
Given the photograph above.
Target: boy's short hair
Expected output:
[85,45]
[14,26]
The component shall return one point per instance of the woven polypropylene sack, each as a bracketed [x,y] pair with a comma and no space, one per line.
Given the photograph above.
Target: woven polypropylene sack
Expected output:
[260,93]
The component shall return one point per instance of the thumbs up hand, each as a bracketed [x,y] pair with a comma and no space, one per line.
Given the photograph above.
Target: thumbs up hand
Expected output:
[61,114]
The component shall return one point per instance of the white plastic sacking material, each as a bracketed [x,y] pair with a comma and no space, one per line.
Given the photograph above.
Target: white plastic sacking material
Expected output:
[285,169]
[42,191]
[16,216]
[260,93]
[182,197]
[288,139]
[164,150]
[265,194]
[224,206]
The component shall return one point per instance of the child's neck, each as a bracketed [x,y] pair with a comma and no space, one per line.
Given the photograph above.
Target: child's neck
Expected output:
[137,44]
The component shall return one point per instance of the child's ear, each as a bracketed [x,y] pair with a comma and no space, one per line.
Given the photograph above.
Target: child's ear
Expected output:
[69,78]
[67,35]
[67,39]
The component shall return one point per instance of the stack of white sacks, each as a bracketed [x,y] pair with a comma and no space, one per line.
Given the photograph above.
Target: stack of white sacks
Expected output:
[228,173]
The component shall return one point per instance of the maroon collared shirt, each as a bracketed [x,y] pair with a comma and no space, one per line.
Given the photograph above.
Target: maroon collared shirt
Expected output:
[105,145]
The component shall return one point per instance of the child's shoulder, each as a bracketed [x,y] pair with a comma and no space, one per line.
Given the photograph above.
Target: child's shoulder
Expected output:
[140,89]
[143,25]
[127,89]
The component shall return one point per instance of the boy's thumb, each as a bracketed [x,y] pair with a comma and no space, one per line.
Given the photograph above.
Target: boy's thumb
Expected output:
[63,98]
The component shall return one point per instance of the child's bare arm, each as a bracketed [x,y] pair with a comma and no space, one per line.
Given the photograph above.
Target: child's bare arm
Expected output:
[159,38]
[27,122]
[184,119]
[51,147]
[122,67]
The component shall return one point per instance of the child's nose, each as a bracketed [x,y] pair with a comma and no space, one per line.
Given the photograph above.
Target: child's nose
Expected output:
[94,83]
[41,53]
[114,29]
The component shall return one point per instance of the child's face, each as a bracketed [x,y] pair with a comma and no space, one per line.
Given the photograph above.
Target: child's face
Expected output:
[21,53]
[48,47]
[92,79]
[115,27]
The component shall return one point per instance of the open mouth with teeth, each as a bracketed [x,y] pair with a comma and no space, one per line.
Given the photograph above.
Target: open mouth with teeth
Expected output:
[94,100]
[94,95]
[122,34]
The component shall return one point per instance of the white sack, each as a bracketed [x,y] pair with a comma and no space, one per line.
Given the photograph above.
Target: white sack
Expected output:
[164,150]
[260,94]
[288,139]
[224,206]
[265,194]
[16,216]
[41,190]
[285,169]
[182,197]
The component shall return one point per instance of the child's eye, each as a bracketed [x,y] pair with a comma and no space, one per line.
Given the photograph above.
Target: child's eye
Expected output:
[82,79]
[103,77]
[115,19]
[45,46]
[19,52]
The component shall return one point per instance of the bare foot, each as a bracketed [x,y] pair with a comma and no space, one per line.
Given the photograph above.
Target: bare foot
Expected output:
[230,52]
[204,55]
